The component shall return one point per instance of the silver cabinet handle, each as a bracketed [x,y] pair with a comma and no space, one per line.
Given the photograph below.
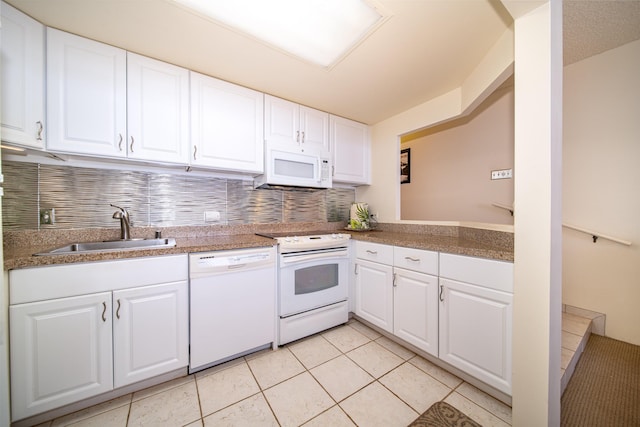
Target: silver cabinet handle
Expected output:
[104,311]
[131,146]
[408,258]
[40,129]
[195,150]
[372,252]
[118,310]
[355,269]
[298,136]
[394,280]
[303,137]
[440,297]
[120,142]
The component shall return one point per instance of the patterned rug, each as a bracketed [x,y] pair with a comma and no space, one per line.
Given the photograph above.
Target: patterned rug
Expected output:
[441,414]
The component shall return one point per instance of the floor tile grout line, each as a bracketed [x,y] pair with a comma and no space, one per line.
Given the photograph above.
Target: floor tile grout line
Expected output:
[477,403]
[129,411]
[182,382]
[195,379]
[480,406]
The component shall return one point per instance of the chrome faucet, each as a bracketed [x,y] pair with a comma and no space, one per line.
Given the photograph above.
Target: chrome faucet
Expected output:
[123,215]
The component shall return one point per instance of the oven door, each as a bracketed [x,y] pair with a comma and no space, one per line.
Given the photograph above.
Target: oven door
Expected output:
[312,279]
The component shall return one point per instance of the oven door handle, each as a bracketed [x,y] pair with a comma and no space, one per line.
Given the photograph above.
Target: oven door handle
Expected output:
[294,259]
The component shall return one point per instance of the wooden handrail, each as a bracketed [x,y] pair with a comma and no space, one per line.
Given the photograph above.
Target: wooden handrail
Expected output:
[595,235]
[502,206]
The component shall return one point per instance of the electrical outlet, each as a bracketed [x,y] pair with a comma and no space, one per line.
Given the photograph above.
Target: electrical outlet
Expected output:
[502,174]
[211,216]
[47,216]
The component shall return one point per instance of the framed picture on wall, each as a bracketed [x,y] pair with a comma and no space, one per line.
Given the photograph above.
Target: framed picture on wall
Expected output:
[405,166]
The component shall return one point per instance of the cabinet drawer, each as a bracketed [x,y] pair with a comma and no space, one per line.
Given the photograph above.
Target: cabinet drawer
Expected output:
[478,271]
[65,280]
[375,252]
[416,260]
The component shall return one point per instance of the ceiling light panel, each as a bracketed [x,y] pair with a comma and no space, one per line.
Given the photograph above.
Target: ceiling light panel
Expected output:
[318,31]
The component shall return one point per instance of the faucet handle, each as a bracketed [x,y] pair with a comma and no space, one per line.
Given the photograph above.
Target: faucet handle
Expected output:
[122,211]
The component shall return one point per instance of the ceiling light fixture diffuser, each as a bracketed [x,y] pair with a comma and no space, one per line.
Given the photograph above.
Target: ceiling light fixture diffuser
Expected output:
[318,31]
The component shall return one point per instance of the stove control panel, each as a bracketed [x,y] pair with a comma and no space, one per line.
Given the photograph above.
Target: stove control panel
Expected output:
[312,242]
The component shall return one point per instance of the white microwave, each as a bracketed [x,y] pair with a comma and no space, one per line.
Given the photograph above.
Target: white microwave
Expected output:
[295,169]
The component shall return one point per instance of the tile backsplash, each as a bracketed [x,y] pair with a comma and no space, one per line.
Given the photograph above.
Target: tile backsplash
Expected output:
[81,198]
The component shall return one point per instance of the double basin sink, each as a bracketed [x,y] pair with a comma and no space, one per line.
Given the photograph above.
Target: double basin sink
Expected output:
[112,245]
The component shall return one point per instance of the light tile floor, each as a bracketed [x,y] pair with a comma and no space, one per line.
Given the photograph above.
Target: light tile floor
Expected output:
[346,376]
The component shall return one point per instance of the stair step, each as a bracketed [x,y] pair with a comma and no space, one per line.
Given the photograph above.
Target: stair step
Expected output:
[575,334]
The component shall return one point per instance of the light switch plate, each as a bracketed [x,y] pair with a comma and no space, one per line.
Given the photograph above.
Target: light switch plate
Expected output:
[502,174]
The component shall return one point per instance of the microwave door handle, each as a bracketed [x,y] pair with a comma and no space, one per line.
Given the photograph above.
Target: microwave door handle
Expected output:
[319,178]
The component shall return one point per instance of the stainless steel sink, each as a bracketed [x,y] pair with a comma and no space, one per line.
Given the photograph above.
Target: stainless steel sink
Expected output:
[112,245]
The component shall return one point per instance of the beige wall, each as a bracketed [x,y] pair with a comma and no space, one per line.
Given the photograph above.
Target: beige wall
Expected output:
[451,166]
[602,187]
[383,195]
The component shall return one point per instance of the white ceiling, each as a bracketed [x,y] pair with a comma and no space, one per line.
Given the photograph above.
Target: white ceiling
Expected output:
[424,50]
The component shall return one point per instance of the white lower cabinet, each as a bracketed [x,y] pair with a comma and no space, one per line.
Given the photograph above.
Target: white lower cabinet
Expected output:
[463,317]
[374,283]
[374,293]
[476,312]
[402,301]
[415,309]
[79,330]
[149,331]
[60,352]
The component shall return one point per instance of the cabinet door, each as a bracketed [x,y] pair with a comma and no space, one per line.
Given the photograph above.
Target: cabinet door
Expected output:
[227,130]
[60,352]
[351,150]
[475,331]
[281,122]
[374,293]
[86,96]
[157,110]
[415,309]
[22,79]
[314,130]
[150,331]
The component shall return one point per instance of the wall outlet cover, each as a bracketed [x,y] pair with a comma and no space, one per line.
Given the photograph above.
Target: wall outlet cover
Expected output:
[211,216]
[47,216]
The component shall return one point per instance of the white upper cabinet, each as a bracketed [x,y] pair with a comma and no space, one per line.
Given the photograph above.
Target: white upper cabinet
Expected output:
[351,151]
[104,101]
[294,127]
[227,129]
[157,110]
[86,96]
[22,82]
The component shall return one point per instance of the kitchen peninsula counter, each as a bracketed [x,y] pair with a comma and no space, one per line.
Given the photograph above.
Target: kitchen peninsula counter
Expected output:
[447,244]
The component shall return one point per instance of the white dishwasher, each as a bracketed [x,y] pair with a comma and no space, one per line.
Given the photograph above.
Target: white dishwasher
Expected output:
[232,304]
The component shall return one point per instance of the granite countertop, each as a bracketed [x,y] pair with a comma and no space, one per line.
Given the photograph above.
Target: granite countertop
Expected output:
[448,244]
[23,256]
[20,247]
